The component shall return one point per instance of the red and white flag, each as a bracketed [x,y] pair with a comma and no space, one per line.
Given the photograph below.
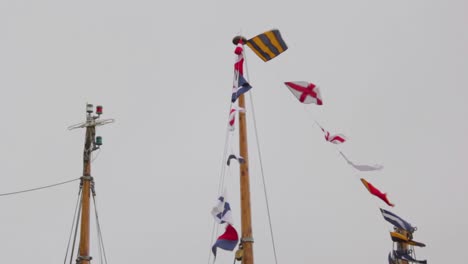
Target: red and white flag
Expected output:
[335,139]
[238,65]
[232,116]
[232,119]
[306,92]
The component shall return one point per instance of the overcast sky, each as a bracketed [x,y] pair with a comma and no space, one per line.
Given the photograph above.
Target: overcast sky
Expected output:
[394,80]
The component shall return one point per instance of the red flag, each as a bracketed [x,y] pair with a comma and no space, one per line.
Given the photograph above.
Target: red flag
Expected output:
[376,192]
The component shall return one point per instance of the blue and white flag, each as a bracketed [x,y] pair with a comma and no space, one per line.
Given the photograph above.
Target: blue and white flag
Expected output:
[232,156]
[397,221]
[407,257]
[222,211]
[241,87]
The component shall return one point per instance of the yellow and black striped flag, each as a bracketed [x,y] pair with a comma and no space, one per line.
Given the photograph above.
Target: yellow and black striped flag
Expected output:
[267,45]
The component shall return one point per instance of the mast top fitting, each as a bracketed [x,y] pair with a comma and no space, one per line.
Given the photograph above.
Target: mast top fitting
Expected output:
[236,39]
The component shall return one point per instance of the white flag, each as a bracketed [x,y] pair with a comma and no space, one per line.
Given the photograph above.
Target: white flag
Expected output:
[362,167]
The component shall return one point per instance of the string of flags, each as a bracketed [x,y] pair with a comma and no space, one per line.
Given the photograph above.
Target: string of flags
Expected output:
[240,85]
[267,46]
[309,93]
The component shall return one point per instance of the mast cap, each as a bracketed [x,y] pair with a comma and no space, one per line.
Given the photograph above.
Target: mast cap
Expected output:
[236,39]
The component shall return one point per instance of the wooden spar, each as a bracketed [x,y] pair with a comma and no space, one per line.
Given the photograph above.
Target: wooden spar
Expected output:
[92,143]
[246,219]
[83,257]
[401,246]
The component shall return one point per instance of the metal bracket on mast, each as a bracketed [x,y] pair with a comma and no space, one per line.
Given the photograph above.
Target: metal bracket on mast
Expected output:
[92,120]
[247,239]
[86,178]
[81,258]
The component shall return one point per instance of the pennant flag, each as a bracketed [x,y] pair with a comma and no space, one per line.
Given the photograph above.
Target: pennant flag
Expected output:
[376,192]
[335,139]
[232,119]
[267,45]
[241,87]
[397,237]
[407,257]
[307,93]
[397,221]
[232,156]
[400,238]
[227,241]
[222,211]
[362,167]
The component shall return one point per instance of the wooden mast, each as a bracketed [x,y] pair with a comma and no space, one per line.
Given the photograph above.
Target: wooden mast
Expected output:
[83,253]
[401,246]
[246,218]
[92,143]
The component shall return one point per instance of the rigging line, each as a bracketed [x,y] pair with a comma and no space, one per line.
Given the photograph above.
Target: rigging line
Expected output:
[96,156]
[263,178]
[38,188]
[261,164]
[99,230]
[97,233]
[211,242]
[72,225]
[99,240]
[99,247]
[227,137]
[76,229]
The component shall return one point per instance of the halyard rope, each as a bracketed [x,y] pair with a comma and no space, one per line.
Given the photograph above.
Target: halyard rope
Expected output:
[77,208]
[38,188]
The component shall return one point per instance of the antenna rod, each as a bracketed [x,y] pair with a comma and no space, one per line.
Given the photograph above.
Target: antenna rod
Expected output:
[246,219]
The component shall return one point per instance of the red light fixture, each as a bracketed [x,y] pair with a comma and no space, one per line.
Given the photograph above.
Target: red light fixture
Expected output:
[99,109]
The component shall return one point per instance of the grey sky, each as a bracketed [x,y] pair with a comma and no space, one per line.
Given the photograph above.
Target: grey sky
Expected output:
[393,78]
